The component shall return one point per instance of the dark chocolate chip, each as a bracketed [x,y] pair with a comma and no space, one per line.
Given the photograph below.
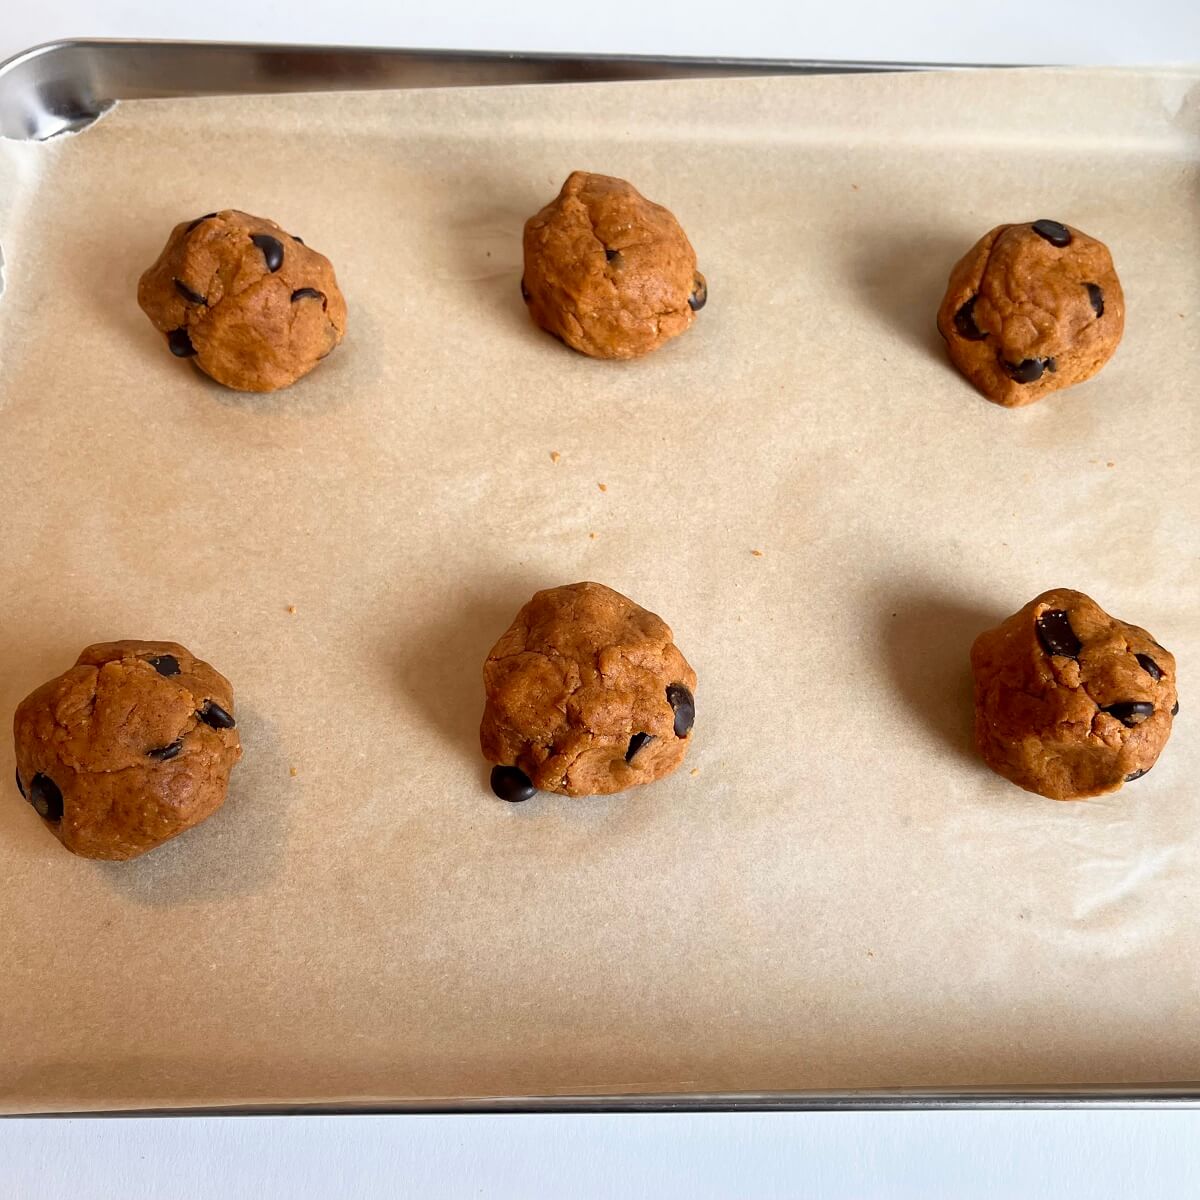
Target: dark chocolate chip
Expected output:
[964,322]
[213,714]
[45,796]
[684,704]
[611,254]
[165,664]
[166,753]
[1130,712]
[20,785]
[303,293]
[1050,365]
[199,220]
[1136,774]
[1056,635]
[524,290]
[1149,666]
[180,344]
[187,293]
[636,743]
[1175,709]
[1096,296]
[272,249]
[296,238]
[1028,369]
[512,784]
[699,297]
[1056,234]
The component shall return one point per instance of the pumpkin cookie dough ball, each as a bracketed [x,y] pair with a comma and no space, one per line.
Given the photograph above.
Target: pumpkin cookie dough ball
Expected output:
[1070,702]
[253,306]
[609,272]
[1031,309]
[131,746]
[586,694]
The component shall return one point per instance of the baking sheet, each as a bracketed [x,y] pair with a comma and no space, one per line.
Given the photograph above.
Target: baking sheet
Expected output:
[833,892]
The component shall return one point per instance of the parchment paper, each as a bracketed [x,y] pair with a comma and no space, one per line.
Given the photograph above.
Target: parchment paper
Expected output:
[840,894]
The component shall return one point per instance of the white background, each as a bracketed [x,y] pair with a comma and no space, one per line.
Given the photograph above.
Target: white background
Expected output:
[1017,31]
[927,1155]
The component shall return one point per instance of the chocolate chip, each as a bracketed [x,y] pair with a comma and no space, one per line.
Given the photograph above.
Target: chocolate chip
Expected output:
[199,220]
[1056,234]
[524,290]
[699,297]
[1175,709]
[1130,712]
[1056,635]
[684,704]
[1028,369]
[611,254]
[636,743]
[165,664]
[296,238]
[45,796]
[272,249]
[1050,364]
[1136,774]
[1096,296]
[20,785]
[303,293]
[512,784]
[166,753]
[213,714]
[1149,666]
[187,293]
[180,344]
[964,322]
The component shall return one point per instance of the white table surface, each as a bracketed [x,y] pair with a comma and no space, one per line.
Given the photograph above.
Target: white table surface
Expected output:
[927,1155]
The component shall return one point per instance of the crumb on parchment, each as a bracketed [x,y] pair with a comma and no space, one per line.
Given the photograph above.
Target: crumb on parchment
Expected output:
[292,609]
[555,456]
[757,553]
[602,486]
[293,771]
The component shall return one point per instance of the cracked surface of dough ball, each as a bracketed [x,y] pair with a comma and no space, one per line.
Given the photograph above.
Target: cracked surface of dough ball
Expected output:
[1031,309]
[130,747]
[1070,702]
[250,304]
[609,272]
[586,694]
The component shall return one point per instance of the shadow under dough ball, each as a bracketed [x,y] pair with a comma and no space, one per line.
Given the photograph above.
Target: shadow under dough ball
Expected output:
[131,746]
[609,272]
[250,304]
[586,695]
[1031,309]
[1070,702]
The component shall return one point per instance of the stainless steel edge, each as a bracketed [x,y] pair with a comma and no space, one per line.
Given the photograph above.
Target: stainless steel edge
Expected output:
[1141,1096]
[65,85]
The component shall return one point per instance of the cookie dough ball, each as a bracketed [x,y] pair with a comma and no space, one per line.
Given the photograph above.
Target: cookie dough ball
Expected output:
[254,307]
[1031,309]
[586,694]
[131,746]
[609,272]
[1070,702]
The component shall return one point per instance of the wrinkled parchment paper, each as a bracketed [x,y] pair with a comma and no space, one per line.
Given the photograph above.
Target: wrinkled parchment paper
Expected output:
[833,892]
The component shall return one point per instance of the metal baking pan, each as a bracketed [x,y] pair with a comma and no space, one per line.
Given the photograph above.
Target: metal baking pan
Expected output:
[62,86]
